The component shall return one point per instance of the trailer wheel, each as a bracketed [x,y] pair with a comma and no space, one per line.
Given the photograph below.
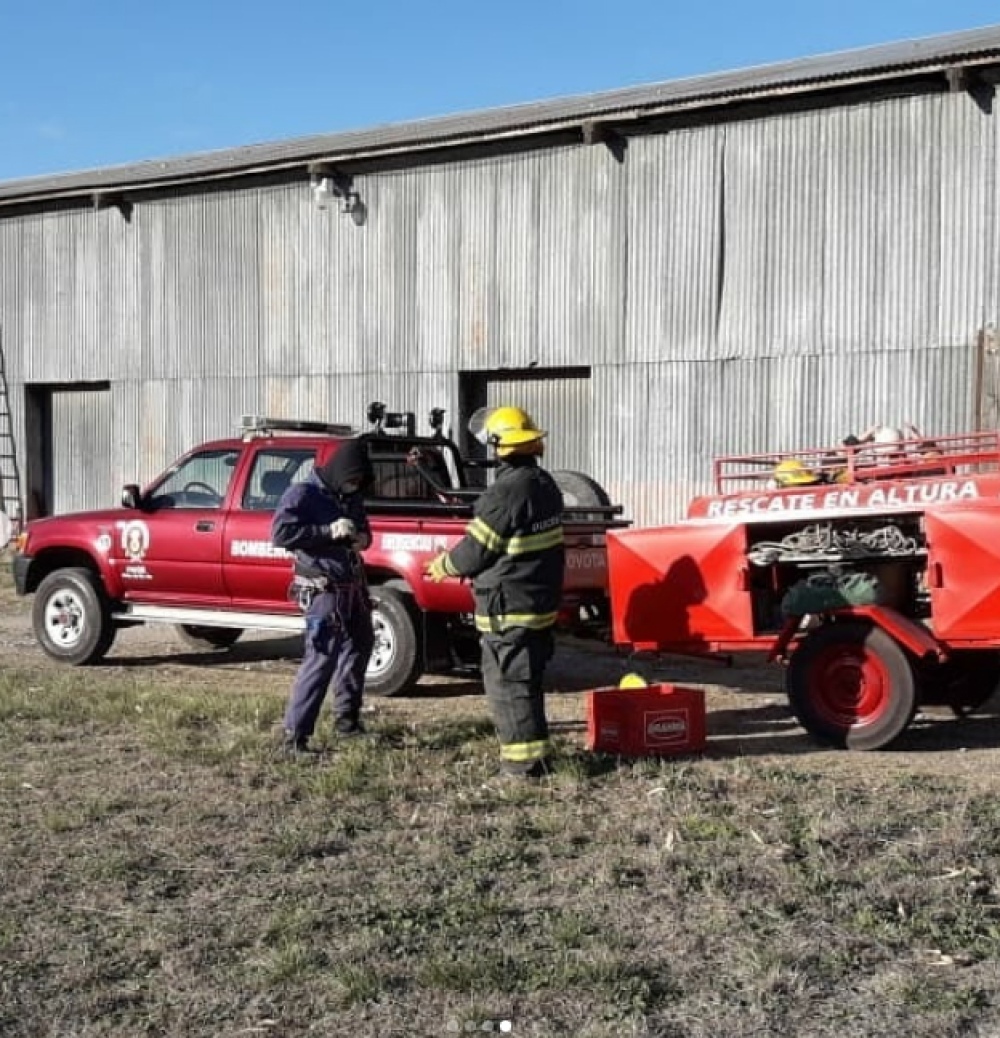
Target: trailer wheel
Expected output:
[851,685]
[197,636]
[964,682]
[395,664]
[71,617]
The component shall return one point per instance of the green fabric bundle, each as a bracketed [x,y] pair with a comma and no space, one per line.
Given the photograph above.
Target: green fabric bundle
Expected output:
[822,592]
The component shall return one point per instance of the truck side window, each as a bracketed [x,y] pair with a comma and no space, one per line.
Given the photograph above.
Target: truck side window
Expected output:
[273,472]
[199,481]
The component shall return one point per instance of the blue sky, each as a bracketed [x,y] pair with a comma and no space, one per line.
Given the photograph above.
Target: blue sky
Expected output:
[91,83]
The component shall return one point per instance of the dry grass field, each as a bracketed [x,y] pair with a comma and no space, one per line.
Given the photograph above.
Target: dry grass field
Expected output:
[166,873]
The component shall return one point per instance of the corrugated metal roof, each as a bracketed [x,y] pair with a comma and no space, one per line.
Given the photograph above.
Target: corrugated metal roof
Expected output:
[865,65]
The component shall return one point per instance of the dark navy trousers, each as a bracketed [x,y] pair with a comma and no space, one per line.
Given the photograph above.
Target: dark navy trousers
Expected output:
[337,646]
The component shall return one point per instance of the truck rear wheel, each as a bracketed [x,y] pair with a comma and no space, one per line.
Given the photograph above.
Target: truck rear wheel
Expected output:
[71,617]
[197,636]
[395,665]
[851,685]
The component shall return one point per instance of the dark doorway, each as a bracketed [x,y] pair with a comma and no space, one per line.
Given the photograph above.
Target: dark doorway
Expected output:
[69,448]
[558,399]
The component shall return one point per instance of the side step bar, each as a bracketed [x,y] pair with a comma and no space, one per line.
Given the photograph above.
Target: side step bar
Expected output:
[211,618]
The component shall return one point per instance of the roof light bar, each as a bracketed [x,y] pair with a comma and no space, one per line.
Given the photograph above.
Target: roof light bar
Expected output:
[255,423]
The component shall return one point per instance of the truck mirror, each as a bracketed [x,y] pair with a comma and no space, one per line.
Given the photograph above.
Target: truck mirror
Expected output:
[131,496]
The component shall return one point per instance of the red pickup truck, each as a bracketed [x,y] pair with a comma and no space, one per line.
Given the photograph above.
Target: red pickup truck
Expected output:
[193,549]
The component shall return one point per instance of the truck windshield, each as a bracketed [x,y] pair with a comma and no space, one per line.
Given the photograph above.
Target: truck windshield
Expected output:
[199,481]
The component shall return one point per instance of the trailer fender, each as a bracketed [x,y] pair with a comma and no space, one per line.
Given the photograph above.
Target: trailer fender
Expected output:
[910,634]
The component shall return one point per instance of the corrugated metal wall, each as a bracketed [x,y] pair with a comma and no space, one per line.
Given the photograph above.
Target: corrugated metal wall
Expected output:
[848,258]
[761,284]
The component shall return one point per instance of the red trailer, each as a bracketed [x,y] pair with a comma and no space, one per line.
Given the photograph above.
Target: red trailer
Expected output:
[876,579]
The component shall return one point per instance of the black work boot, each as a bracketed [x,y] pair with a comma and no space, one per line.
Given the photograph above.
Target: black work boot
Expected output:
[527,772]
[348,726]
[293,745]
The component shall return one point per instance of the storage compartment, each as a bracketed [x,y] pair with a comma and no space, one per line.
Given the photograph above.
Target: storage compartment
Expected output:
[892,549]
[655,721]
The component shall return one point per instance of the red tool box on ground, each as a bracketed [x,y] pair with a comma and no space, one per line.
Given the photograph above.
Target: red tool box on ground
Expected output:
[658,720]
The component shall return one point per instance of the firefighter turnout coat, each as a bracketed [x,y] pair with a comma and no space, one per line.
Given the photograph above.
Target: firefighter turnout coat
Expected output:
[513,549]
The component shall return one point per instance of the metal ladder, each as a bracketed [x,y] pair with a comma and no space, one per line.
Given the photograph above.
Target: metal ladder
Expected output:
[10,475]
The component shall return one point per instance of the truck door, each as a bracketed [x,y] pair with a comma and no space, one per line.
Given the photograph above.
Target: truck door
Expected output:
[257,574]
[963,572]
[680,588]
[171,551]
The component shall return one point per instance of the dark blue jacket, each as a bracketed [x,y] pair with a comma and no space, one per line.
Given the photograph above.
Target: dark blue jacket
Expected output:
[302,523]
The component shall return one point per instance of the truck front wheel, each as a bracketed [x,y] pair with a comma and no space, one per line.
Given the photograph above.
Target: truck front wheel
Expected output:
[851,685]
[395,664]
[71,617]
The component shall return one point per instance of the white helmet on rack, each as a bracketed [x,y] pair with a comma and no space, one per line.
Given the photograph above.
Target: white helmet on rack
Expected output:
[887,434]
[886,440]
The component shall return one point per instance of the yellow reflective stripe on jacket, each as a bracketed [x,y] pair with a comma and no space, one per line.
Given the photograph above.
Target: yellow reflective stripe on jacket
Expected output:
[536,621]
[519,544]
[535,541]
[519,752]
[487,536]
[448,566]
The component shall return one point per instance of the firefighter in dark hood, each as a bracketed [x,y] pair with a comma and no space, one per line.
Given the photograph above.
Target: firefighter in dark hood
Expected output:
[513,551]
[322,522]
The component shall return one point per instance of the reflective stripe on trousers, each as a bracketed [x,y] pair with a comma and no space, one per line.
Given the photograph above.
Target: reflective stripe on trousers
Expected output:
[525,751]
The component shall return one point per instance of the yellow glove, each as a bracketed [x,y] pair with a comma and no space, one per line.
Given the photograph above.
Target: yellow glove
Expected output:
[437,569]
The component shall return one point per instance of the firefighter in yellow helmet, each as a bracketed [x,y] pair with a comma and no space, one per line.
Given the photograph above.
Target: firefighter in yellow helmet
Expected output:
[513,552]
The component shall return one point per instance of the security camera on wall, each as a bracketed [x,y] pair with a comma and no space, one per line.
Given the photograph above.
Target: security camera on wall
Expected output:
[323,192]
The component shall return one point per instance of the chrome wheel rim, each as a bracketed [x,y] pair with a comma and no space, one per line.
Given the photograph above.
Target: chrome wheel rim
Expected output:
[384,647]
[65,619]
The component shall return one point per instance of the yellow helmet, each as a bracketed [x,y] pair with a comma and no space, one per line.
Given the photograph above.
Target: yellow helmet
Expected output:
[793,473]
[512,431]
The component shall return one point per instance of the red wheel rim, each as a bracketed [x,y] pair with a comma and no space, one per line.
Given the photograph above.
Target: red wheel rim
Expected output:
[849,686]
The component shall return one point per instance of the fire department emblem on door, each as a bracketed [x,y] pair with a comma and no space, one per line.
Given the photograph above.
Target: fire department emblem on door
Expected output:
[135,540]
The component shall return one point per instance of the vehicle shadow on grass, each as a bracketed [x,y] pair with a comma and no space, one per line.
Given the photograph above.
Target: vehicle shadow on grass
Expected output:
[580,664]
[258,650]
[760,730]
[445,686]
[773,730]
[937,729]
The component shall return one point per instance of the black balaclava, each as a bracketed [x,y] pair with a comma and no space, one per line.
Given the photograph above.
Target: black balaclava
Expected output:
[349,462]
